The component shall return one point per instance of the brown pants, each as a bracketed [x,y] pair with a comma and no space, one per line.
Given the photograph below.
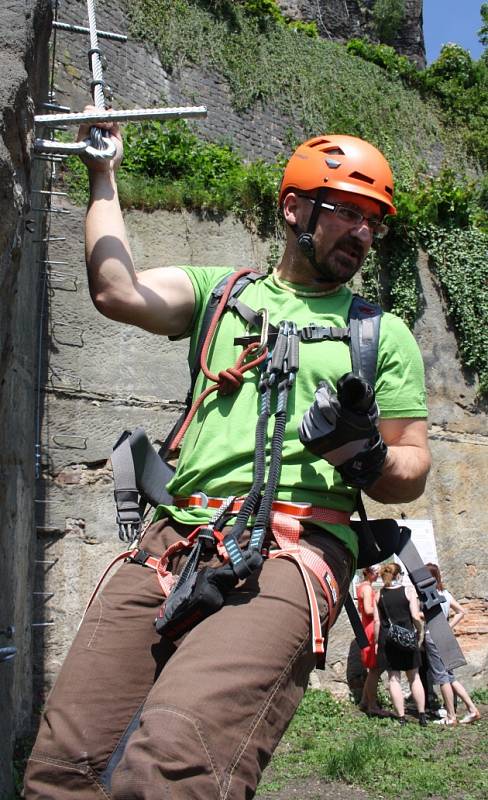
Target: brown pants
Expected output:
[213,708]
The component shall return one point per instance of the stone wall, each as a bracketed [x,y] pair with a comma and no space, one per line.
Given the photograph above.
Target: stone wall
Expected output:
[346,19]
[24,32]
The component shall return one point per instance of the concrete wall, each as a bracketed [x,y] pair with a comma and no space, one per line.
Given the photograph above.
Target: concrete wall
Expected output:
[24,31]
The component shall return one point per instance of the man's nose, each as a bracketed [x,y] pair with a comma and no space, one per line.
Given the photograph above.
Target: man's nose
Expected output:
[362,231]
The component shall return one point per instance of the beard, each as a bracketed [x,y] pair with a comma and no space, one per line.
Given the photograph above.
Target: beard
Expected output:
[344,259]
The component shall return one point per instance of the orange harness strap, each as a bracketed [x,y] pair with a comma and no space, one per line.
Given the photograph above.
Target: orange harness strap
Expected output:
[286,531]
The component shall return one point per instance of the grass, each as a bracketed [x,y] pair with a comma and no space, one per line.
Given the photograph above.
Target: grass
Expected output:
[332,741]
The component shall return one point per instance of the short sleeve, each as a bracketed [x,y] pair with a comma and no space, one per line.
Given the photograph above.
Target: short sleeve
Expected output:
[203,280]
[400,381]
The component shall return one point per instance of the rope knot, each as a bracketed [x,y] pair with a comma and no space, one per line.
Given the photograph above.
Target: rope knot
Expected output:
[230,380]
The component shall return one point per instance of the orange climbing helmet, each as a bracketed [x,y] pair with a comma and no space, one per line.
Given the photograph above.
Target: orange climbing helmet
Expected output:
[340,162]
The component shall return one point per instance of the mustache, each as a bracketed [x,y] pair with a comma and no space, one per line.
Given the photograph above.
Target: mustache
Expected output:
[351,244]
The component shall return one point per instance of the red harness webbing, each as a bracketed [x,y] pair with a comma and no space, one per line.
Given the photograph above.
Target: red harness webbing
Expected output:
[286,531]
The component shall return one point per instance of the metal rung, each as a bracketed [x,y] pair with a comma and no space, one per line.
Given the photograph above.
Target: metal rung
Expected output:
[48,191]
[55,107]
[65,26]
[130,115]
[41,561]
[41,624]
[43,594]
[49,157]
[52,210]
[50,263]
[50,239]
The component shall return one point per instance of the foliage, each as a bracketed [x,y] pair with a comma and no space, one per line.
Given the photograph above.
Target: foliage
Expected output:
[480,695]
[387,17]
[263,9]
[329,740]
[460,259]
[380,96]
[483,31]
[167,166]
[457,82]
[313,82]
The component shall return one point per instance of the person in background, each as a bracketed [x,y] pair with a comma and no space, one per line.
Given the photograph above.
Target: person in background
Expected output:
[396,607]
[449,686]
[366,597]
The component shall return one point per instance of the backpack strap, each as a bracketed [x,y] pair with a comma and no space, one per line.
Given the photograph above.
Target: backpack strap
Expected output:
[364,326]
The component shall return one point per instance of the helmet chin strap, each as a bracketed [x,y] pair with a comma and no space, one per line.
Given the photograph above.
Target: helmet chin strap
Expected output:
[305,238]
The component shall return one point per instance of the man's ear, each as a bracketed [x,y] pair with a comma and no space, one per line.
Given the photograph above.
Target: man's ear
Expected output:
[290,205]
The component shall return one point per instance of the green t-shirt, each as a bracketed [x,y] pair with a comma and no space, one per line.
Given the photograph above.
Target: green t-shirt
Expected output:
[217,453]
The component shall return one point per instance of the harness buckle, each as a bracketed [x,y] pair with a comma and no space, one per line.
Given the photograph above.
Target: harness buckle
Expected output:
[429,595]
[308,332]
[203,499]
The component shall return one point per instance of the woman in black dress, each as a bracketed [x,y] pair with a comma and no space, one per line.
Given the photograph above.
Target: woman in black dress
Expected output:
[396,606]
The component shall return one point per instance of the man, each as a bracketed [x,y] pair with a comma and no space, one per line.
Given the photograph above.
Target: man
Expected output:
[136,715]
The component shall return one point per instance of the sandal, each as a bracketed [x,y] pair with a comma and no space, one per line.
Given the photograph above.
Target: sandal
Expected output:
[472,717]
[446,721]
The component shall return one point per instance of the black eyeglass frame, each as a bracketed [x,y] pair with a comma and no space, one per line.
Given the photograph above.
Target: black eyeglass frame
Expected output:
[378,229]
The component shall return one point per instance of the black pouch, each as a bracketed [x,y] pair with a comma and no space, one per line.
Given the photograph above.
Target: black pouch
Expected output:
[197,598]
[402,637]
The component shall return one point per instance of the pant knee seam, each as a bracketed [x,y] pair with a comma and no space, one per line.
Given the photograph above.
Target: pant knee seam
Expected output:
[199,734]
[85,769]
[92,637]
[259,716]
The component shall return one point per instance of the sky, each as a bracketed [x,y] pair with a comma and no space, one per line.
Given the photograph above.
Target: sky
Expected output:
[452,21]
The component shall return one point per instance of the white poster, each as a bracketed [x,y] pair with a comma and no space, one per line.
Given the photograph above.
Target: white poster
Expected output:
[424,540]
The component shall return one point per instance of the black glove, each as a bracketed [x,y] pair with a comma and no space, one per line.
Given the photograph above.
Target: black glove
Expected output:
[342,428]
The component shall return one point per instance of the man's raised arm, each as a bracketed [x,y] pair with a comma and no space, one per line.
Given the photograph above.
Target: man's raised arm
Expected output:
[160,300]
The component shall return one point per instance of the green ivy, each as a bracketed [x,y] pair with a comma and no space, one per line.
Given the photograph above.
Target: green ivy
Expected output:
[460,259]
[457,82]
[167,166]
[313,82]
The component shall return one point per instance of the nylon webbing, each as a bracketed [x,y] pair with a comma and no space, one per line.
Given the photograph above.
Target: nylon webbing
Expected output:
[439,628]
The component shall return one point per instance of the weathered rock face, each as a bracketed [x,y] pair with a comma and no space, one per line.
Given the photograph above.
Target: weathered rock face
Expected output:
[347,19]
[24,32]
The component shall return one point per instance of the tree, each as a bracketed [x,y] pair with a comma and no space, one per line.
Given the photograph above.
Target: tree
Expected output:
[387,17]
[483,31]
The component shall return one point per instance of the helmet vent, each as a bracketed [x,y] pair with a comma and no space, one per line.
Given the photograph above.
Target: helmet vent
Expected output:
[389,190]
[360,177]
[332,163]
[335,151]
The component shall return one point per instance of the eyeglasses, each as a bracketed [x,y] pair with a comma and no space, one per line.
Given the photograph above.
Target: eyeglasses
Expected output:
[353,217]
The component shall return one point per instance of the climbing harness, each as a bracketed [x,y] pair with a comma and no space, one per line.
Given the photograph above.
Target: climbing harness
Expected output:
[99,146]
[200,592]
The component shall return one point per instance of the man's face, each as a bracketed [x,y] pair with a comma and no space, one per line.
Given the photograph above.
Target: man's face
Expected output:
[340,245]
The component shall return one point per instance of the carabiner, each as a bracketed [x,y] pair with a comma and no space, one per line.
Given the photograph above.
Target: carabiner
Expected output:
[263,339]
